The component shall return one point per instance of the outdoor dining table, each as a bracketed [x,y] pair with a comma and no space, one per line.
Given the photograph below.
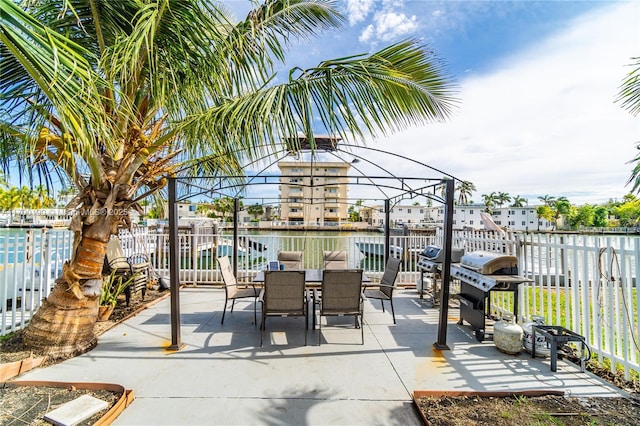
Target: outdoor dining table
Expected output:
[312,278]
[313,281]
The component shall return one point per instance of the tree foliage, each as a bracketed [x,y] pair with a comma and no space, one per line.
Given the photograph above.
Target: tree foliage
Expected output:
[115,97]
[629,99]
[628,213]
[25,198]
[255,210]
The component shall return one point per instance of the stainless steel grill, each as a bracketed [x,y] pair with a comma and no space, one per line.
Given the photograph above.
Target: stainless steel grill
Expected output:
[430,262]
[481,273]
[431,257]
[486,263]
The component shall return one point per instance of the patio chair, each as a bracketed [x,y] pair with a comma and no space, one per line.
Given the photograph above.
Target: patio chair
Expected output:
[292,260]
[136,265]
[284,295]
[233,290]
[335,259]
[341,295]
[384,290]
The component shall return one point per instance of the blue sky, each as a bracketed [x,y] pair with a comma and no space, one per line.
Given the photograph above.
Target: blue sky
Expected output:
[537,83]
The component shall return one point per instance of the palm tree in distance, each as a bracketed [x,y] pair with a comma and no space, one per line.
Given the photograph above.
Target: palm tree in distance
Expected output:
[489,201]
[561,207]
[547,200]
[117,96]
[465,190]
[518,201]
[502,198]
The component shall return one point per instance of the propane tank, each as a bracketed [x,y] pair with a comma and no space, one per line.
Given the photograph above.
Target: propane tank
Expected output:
[421,285]
[542,348]
[507,335]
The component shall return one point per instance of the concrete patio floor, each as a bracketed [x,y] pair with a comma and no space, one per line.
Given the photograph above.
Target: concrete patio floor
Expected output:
[223,376]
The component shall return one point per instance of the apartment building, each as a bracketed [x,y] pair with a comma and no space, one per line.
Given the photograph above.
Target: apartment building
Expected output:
[514,218]
[400,214]
[314,193]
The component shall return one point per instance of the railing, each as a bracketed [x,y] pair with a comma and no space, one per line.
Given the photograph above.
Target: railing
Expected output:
[199,252]
[30,262]
[586,283]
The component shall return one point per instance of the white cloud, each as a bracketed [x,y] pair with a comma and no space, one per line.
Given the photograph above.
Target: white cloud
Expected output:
[389,20]
[357,10]
[544,121]
[366,34]
[391,25]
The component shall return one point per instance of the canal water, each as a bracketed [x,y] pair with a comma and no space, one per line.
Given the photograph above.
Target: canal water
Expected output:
[314,243]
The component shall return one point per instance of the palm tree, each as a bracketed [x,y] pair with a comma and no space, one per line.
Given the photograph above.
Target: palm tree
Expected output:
[502,198]
[561,207]
[465,189]
[203,209]
[224,207]
[9,201]
[518,201]
[629,97]
[40,198]
[547,200]
[489,201]
[117,96]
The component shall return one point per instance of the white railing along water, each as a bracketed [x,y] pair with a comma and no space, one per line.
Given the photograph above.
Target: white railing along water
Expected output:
[586,283]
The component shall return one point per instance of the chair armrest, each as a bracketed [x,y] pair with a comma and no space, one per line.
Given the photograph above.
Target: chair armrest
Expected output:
[249,284]
[377,285]
[137,259]
[116,260]
[387,285]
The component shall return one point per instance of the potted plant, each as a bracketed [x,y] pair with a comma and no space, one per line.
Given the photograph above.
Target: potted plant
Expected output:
[113,285]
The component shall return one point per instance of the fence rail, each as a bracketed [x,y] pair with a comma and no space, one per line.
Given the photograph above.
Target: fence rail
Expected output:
[586,283]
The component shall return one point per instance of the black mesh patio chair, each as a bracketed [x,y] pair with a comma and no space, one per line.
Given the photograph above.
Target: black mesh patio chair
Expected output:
[384,290]
[341,295]
[284,295]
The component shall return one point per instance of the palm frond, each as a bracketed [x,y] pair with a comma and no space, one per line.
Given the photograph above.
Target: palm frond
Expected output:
[629,96]
[390,90]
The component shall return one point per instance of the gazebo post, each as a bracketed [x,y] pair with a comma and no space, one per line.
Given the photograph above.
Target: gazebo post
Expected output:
[387,228]
[174,267]
[441,344]
[236,207]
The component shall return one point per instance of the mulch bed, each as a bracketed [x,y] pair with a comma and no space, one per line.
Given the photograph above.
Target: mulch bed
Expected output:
[528,410]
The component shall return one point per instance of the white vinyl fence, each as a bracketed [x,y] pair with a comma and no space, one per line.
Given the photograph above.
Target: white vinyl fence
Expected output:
[586,283]
[30,262]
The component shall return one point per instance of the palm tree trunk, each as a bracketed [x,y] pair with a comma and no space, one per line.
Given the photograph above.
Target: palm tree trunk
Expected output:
[64,324]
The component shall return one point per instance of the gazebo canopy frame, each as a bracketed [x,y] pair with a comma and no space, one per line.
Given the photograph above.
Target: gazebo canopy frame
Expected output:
[393,189]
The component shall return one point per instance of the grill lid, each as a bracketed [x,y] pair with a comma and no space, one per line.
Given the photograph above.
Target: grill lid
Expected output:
[436,254]
[431,252]
[488,263]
